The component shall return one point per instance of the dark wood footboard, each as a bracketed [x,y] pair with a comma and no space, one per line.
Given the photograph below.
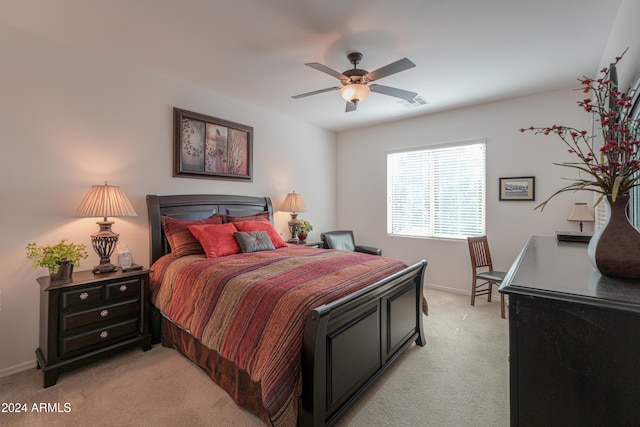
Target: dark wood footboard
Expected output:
[350,342]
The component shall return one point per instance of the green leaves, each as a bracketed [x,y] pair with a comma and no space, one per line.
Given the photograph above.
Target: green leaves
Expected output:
[49,256]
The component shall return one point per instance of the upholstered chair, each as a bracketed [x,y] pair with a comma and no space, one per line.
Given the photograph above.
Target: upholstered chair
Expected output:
[344,240]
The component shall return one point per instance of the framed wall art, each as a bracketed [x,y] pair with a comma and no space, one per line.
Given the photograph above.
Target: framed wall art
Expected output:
[208,147]
[518,188]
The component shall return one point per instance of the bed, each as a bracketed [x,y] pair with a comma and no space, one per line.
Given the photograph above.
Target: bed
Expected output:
[341,336]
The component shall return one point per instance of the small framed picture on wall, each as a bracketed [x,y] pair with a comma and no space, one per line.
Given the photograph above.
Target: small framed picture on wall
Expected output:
[518,188]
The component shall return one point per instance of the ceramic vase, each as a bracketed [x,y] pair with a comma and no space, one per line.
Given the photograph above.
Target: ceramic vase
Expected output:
[615,248]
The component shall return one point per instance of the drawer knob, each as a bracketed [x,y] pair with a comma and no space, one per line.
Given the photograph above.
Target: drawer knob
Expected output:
[104,334]
[123,288]
[84,295]
[104,313]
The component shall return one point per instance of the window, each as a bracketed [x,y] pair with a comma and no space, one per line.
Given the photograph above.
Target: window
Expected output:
[437,191]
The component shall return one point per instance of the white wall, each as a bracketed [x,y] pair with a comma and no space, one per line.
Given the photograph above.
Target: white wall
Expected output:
[69,119]
[625,34]
[362,179]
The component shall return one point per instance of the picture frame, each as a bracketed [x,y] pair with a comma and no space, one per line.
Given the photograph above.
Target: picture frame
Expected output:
[522,188]
[211,148]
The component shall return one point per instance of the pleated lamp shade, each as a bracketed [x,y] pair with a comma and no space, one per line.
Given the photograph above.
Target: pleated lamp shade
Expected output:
[104,201]
[293,203]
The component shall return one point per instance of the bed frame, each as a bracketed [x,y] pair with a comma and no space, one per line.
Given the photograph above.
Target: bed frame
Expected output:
[347,344]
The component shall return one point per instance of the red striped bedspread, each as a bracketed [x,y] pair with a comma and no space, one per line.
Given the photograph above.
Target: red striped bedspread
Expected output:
[251,308]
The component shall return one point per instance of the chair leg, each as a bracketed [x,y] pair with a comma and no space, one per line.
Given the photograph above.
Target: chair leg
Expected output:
[502,305]
[473,293]
[490,286]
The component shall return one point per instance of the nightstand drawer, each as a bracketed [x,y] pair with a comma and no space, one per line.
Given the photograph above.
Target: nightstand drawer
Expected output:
[97,336]
[86,297]
[128,309]
[123,289]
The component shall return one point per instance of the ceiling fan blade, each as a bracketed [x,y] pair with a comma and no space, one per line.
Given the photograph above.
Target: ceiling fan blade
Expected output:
[315,92]
[387,70]
[392,91]
[326,70]
[351,106]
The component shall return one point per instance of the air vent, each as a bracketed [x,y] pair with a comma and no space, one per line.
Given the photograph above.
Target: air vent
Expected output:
[418,101]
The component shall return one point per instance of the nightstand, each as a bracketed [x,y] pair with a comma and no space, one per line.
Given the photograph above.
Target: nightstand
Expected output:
[312,244]
[91,316]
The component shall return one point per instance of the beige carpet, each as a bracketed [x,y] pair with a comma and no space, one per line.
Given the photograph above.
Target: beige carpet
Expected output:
[459,379]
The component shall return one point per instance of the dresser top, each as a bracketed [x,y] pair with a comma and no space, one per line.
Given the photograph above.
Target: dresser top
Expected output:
[561,270]
[86,277]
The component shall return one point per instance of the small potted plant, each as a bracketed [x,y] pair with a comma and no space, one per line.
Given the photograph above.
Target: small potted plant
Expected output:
[59,259]
[304,227]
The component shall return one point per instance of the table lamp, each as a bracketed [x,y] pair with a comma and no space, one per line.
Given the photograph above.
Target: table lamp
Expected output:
[580,212]
[293,203]
[104,201]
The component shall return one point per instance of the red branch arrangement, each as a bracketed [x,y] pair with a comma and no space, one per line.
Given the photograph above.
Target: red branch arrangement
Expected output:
[614,169]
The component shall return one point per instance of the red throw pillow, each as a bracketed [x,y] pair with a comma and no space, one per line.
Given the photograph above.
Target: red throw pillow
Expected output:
[180,238]
[262,216]
[277,240]
[216,239]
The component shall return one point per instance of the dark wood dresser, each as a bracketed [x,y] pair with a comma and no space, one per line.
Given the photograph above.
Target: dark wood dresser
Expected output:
[91,316]
[574,340]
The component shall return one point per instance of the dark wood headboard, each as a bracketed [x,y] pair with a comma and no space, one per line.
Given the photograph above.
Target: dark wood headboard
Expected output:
[196,206]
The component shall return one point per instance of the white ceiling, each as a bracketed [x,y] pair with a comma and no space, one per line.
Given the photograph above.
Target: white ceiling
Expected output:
[466,51]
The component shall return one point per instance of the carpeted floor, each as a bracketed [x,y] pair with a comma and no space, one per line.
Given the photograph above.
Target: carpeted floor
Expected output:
[459,379]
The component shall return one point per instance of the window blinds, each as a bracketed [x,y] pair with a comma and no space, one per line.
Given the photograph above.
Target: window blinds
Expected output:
[437,191]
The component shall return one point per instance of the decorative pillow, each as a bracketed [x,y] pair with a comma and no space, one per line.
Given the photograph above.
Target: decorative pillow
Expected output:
[262,216]
[276,239]
[180,238]
[253,241]
[216,239]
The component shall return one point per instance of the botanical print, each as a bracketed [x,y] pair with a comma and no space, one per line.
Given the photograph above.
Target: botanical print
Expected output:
[216,145]
[192,145]
[237,153]
[207,147]
[227,150]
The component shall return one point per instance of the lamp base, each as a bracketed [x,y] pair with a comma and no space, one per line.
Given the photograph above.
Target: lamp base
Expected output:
[104,242]
[104,268]
[293,229]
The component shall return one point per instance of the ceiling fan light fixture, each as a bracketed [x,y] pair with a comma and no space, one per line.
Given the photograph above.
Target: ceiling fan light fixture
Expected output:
[355,92]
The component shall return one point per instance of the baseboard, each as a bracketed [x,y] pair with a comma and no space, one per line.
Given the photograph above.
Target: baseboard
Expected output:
[494,294]
[18,368]
[445,288]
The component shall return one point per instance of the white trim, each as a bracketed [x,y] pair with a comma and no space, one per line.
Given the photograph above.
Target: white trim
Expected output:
[18,368]
[460,291]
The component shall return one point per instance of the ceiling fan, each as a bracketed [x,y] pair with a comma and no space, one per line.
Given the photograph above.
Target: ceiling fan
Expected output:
[355,82]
